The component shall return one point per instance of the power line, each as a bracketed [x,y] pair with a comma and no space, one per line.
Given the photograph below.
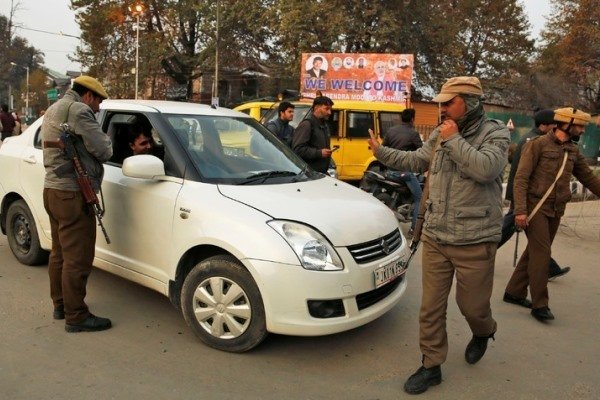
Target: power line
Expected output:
[50,33]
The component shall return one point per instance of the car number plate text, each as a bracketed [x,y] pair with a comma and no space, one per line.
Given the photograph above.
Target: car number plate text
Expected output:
[389,272]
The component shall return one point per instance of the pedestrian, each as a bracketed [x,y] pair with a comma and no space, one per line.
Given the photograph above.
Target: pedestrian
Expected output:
[311,138]
[541,191]
[544,122]
[72,221]
[7,121]
[17,129]
[404,137]
[465,157]
[280,126]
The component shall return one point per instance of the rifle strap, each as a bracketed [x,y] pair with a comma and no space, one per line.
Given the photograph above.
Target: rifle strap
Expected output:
[543,199]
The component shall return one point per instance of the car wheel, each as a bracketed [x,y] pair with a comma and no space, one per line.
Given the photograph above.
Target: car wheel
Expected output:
[222,304]
[22,235]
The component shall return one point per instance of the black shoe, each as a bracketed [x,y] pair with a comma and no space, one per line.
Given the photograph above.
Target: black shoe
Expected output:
[59,312]
[509,298]
[552,275]
[542,314]
[476,348]
[90,324]
[420,381]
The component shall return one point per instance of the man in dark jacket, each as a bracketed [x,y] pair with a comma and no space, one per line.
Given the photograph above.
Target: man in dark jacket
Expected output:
[72,222]
[404,137]
[544,123]
[311,137]
[542,160]
[281,125]
[7,121]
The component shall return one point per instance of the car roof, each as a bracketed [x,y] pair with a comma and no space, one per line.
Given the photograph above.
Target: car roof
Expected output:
[170,107]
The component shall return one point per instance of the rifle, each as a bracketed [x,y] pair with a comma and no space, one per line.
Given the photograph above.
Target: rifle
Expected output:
[416,239]
[67,146]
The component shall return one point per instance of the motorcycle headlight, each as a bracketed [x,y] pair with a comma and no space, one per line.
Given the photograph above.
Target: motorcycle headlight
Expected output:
[313,250]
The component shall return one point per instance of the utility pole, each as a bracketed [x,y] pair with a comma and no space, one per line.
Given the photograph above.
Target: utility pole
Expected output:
[215,93]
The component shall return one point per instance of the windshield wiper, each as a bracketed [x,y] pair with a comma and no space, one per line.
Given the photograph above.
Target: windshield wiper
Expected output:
[266,175]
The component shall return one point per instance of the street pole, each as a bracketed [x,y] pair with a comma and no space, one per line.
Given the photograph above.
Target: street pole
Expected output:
[137,10]
[27,93]
[216,82]
[137,54]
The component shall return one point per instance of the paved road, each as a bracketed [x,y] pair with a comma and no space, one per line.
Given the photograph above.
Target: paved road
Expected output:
[151,354]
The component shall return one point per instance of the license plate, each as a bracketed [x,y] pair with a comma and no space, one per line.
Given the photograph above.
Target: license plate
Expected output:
[389,272]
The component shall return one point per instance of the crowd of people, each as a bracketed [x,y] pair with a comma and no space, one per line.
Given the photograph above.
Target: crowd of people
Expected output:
[460,223]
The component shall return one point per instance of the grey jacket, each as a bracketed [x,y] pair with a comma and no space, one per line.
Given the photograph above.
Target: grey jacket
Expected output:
[93,146]
[465,193]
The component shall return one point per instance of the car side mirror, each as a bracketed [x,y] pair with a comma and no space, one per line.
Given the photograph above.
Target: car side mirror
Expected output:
[144,166]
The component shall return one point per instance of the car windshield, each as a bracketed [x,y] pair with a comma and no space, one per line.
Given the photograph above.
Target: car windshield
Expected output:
[300,112]
[237,151]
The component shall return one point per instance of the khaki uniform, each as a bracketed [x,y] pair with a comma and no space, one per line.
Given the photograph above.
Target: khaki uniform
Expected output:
[72,222]
[539,165]
[461,229]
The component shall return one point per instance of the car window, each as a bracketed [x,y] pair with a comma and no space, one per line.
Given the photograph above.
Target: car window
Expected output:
[358,124]
[333,123]
[387,120]
[233,150]
[119,128]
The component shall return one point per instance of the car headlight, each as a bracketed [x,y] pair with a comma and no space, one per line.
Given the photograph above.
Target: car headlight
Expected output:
[313,250]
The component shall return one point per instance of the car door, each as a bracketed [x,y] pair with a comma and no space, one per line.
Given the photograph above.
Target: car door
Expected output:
[356,151]
[138,218]
[32,175]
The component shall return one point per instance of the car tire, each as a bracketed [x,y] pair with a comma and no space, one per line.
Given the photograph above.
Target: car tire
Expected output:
[222,305]
[22,234]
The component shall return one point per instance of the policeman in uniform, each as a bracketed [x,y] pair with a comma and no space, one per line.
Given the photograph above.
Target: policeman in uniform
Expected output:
[540,164]
[72,221]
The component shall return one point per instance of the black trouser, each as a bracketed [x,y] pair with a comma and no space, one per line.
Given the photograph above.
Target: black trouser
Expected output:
[508,230]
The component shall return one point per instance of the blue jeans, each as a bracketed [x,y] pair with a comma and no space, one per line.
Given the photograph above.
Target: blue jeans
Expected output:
[415,189]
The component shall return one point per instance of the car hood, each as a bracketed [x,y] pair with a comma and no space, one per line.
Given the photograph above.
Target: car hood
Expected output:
[345,214]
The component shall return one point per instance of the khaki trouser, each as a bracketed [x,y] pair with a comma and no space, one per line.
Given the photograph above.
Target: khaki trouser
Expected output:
[73,227]
[474,267]
[532,268]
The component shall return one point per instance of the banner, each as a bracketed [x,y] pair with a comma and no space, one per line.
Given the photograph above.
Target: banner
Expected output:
[355,76]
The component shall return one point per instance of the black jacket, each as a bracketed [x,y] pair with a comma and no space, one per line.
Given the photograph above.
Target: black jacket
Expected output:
[282,129]
[310,137]
[403,137]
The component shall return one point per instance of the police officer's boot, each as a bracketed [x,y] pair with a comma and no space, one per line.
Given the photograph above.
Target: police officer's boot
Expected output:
[420,381]
[476,348]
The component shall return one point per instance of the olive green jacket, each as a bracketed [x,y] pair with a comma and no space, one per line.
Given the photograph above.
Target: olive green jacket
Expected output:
[465,183]
[93,146]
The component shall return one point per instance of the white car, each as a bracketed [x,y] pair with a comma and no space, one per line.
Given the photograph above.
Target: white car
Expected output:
[226,221]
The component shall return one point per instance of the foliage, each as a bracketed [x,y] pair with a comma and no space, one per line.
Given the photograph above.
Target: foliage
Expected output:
[15,49]
[571,52]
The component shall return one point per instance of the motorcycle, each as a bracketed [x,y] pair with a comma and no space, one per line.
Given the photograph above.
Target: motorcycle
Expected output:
[391,189]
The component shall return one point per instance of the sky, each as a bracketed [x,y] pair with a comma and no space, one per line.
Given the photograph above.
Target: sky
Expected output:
[55,16]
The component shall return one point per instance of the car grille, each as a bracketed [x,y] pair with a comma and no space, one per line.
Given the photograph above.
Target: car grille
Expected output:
[376,249]
[367,299]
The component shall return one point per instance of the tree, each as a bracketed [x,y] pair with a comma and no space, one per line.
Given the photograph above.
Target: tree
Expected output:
[571,51]
[17,50]
[478,45]
[178,38]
